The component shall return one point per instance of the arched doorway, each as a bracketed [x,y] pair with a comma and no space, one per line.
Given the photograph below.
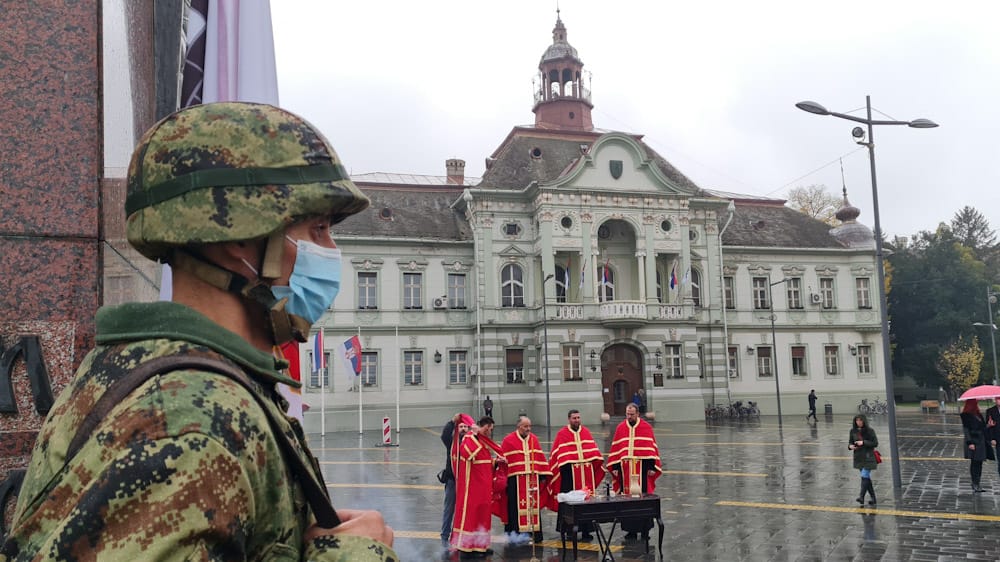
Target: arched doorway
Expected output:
[621,376]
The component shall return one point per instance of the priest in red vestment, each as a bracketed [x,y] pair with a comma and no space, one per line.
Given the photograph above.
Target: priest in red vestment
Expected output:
[634,463]
[576,464]
[526,490]
[474,468]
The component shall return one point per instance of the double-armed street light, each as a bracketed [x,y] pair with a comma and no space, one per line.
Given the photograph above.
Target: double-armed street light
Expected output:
[859,134]
[991,298]
[774,346]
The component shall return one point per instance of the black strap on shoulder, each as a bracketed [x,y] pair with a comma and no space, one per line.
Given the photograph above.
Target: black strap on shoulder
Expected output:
[314,491]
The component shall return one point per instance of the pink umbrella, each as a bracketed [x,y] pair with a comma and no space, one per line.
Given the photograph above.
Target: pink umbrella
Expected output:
[981,392]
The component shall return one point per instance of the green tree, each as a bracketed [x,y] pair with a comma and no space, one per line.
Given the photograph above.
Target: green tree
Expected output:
[973,230]
[959,363]
[815,201]
[935,284]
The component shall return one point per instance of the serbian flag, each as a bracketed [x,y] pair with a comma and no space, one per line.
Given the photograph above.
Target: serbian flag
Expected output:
[350,354]
[605,272]
[318,353]
[673,277]
[583,271]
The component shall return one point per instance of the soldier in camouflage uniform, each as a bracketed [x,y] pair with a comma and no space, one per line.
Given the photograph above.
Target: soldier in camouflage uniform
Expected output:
[239,198]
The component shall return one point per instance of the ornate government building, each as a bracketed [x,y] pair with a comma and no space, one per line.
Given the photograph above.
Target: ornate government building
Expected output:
[581,268]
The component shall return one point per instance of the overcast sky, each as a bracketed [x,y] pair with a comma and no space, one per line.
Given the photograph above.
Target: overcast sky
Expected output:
[400,86]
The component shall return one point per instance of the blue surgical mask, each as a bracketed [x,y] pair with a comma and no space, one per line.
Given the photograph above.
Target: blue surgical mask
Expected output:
[314,282]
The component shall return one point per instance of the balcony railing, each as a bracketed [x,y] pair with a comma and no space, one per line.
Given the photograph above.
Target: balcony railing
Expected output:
[623,313]
[568,311]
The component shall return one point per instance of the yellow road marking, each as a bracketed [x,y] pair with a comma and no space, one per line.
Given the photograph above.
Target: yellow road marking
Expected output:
[381,462]
[389,486]
[753,444]
[877,511]
[355,448]
[431,431]
[692,434]
[704,472]
[886,457]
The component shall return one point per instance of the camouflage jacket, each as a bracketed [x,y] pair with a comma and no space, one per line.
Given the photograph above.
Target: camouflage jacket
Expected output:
[186,468]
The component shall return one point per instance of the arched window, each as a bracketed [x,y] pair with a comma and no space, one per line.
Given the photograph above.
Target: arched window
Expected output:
[607,289]
[696,287]
[511,286]
[562,282]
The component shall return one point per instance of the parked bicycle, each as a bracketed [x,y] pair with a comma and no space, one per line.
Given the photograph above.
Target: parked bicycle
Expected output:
[735,410]
[876,407]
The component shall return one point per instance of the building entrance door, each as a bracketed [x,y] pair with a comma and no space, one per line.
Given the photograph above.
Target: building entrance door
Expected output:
[621,377]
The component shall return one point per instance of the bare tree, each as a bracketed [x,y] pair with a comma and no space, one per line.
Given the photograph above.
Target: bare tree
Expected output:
[815,201]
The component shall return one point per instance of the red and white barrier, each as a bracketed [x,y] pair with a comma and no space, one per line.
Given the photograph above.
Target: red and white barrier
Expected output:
[386,432]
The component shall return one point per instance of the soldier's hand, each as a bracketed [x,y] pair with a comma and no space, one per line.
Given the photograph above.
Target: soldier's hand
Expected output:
[357,522]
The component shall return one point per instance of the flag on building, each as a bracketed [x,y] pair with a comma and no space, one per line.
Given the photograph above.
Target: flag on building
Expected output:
[687,277]
[566,279]
[350,354]
[673,277]
[583,271]
[318,353]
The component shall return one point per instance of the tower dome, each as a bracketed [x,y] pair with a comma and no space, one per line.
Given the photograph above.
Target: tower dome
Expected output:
[851,233]
[561,100]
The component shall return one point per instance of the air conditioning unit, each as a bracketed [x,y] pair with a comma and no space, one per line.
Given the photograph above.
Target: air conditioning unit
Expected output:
[815,298]
[440,302]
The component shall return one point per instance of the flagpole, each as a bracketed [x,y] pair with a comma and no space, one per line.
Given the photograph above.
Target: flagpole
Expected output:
[397,386]
[322,382]
[361,429]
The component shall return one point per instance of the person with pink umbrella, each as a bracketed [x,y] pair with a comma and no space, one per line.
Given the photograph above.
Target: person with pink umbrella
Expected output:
[993,426]
[976,448]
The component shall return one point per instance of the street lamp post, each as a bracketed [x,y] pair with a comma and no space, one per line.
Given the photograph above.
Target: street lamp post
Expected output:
[774,346]
[813,107]
[990,297]
[545,357]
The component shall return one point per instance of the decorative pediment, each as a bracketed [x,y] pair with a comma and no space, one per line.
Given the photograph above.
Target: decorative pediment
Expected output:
[862,271]
[412,264]
[826,270]
[730,269]
[759,269]
[366,264]
[512,252]
[793,270]
[457,267]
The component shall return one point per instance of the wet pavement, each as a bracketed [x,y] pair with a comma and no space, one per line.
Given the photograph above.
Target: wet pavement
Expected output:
[732,490]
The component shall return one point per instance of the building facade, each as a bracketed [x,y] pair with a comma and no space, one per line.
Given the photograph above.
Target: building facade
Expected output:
[581,269]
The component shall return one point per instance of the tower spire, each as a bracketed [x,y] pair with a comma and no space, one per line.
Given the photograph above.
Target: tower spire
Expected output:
[562,101]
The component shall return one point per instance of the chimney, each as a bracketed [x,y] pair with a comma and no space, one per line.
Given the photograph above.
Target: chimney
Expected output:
[456,171]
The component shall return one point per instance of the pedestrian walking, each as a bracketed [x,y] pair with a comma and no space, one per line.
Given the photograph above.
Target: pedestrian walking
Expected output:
[812,405]
[976,448]
[863,441]
[488,406]
[642,402]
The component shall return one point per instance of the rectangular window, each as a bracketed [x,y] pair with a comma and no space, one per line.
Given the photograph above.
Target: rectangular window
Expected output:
[759,290]
[831,361]
[458,367]
[733,361]
[865,360]
[413,367]
[369,368]
[864,291]
[799,361]
[571,363]
[367,290]
[826,291]
[672,362]
[314,376]
[515,365]
[456,290]
[764,368]
[793,288]
[412,290]
[729,292]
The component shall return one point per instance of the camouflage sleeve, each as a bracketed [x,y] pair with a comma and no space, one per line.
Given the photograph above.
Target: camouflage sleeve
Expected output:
[337,548]
[174,498]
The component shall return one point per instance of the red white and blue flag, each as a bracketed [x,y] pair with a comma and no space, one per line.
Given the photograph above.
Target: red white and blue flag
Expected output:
[673,276]
[350,354]
[318,353]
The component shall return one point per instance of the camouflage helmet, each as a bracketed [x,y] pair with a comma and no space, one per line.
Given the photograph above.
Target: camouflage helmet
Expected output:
[231,171]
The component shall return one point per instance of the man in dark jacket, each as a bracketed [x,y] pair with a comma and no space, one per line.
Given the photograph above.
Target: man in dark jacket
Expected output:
[812,405]
[993,427]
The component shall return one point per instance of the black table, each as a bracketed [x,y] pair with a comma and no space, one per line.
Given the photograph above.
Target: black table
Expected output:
[608,510]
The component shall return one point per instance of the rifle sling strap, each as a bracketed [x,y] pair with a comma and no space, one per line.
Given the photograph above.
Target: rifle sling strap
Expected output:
[315,494]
